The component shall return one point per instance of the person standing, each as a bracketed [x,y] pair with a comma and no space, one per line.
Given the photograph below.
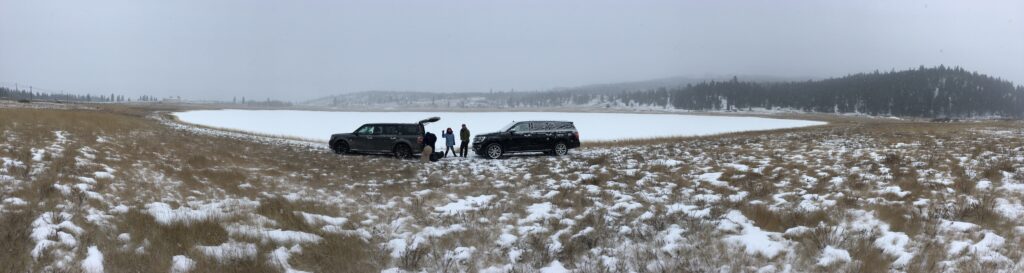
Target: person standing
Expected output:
[449,142]
[464,136]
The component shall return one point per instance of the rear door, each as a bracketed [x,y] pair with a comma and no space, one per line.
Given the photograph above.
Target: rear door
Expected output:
[541,135]
[385,140]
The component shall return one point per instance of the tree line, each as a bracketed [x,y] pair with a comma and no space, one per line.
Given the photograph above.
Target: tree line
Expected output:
[937,92]
[28,95]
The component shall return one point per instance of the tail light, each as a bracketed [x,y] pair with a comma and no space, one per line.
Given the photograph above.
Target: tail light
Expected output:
[419,140]
[577,135]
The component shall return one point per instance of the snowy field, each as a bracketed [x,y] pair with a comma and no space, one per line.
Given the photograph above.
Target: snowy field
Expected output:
[93,191]
[592,126]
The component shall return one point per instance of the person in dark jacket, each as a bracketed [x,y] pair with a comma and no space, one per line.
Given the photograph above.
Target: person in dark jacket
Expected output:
[429,140]
[464,136]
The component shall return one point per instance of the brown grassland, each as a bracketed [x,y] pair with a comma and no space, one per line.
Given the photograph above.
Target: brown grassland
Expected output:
[108,169]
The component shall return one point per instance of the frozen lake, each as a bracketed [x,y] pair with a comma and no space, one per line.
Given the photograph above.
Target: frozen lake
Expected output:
[319,125]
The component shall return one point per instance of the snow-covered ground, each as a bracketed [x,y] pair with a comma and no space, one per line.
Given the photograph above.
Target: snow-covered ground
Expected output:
[592,126]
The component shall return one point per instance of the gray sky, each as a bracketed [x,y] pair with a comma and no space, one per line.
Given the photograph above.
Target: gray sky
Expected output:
[208,49]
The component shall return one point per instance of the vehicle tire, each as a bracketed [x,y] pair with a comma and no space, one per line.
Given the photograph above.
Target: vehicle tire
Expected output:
[560,149]
[341,148]
[402,151]
[494,151]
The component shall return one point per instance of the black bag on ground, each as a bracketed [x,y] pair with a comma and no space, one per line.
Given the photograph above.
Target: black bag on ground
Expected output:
[435,156]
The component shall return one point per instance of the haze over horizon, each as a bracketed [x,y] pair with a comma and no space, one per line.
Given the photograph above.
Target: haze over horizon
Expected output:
[303,50]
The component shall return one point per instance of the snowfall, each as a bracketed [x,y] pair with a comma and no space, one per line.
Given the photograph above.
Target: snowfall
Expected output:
[319,125]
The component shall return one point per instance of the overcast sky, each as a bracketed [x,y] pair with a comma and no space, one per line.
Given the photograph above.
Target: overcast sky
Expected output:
[296,50]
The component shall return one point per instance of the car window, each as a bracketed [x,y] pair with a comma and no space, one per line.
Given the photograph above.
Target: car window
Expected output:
[390,129]
[521,127]
[365,130]
[408,130]
[542,126]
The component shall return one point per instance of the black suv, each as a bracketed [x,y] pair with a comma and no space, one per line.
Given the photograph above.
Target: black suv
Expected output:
[399,139]
[551,137]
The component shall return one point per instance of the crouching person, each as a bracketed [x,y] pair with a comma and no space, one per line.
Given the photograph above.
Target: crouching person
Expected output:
[429,140]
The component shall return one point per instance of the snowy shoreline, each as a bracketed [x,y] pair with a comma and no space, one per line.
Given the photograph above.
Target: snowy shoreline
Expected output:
[315,125]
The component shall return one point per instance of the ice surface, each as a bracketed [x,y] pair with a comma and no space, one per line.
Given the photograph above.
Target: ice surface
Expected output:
[592,126]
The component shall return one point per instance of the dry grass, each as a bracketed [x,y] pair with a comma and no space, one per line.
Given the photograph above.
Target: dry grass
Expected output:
[612,197]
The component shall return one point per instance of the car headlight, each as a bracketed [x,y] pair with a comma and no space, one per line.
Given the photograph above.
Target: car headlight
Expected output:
[479,139]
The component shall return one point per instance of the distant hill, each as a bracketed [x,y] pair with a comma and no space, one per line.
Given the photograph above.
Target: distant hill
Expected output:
[937,92]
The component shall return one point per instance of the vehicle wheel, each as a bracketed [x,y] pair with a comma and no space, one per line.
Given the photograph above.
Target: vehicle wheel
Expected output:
[494,151]
[560,149]
[341,148]
[403,151]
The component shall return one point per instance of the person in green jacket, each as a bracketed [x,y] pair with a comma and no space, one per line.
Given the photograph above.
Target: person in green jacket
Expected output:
[464,136]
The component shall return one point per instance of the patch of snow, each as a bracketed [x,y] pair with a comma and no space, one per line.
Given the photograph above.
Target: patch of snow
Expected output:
[279,258]
[554,267]
[956,226]
[229,251]
[895,244]
[93,262]
[471,203]
[689,210]
[182,264]
[737,167]
[165,215]
[321,220]
[540,211]
[506,240]
[281,237]
[753,239]
[713,178]
[831,255]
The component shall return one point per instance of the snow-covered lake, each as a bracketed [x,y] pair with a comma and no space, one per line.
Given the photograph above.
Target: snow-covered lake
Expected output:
[592,126]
